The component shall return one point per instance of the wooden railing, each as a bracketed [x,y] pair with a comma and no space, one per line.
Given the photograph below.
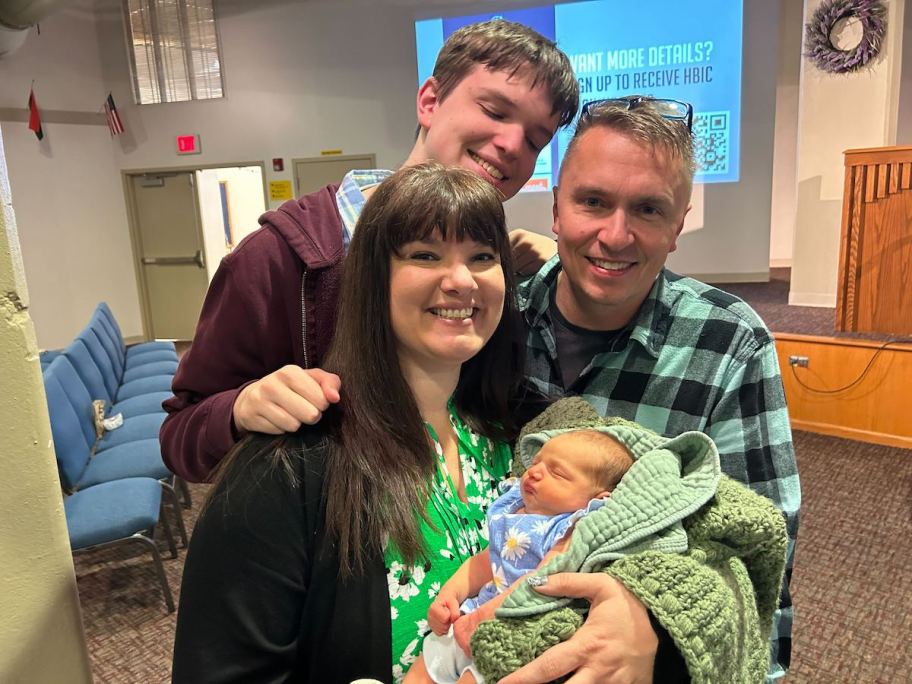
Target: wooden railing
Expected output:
[875,258]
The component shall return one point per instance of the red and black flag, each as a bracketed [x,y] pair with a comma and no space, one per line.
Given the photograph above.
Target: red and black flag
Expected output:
[34,116]
[114,123]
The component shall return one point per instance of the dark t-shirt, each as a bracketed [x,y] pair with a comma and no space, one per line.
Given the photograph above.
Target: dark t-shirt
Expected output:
[577,346]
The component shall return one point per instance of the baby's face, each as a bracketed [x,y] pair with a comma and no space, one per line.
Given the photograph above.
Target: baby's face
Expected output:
[560,479]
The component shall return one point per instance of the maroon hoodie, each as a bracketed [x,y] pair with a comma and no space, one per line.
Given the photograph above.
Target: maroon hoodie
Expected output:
[272,302]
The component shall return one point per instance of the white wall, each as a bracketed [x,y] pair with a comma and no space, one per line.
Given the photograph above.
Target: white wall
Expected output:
[67,189]
[246,202]
[301,77]
[210,208]
[735,237]
[904,119]
[785,144]
[294,86]
[837,112]
[361,99]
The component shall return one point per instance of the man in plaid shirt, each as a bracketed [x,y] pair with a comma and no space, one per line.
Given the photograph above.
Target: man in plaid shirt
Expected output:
[608,322]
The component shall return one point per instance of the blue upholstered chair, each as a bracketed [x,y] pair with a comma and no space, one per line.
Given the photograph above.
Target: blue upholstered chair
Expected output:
[142,365]
[119,513]
[78,355]
[73,430]
[112,375]
[45,357]
[134,349]
[135,428]
[161,362]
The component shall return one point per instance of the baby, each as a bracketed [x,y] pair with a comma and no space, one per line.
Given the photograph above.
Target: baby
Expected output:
[571,475]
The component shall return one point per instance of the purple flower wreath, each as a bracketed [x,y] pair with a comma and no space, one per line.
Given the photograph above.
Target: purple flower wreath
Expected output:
[819,47]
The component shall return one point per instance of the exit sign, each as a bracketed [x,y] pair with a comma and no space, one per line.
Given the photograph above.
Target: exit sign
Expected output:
[188,144]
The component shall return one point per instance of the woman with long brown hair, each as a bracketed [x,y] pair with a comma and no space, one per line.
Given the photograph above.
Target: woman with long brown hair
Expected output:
[319,553]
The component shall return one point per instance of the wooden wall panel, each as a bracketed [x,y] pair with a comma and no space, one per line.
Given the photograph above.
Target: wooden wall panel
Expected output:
[874,293]
[876,409]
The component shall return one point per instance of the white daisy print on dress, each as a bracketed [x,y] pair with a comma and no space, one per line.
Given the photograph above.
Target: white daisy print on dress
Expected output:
[399,585]
[408,655]
[498,578]
[541,527]
[515,545]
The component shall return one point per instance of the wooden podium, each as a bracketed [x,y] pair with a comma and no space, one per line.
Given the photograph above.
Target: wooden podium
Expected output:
[875,255]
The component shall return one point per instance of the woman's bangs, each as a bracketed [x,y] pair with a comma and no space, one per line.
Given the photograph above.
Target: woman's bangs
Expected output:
[475,220]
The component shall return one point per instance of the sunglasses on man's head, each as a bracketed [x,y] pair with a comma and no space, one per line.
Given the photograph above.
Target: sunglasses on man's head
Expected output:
[674,110]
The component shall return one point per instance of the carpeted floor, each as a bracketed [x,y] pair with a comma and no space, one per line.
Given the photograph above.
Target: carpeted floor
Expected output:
[852,582]
[770,300]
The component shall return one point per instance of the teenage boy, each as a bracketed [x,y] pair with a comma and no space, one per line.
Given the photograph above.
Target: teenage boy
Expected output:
[498,94]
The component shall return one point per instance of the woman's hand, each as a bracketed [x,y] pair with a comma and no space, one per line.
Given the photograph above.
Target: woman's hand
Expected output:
[616,645]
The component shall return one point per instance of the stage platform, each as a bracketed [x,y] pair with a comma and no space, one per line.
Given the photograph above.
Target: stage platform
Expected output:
[855,385]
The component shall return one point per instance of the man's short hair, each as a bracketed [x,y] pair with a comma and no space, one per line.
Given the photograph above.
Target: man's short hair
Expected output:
[642,123]
[501,45]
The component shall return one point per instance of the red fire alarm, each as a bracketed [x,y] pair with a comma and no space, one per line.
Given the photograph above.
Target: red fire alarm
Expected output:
[188,144]
[278,164]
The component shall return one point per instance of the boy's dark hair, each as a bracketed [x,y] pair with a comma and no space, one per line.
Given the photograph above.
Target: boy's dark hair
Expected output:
[501,45]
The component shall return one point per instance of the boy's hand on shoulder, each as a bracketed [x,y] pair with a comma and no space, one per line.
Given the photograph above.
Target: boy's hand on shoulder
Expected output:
[286,399]
[530,250]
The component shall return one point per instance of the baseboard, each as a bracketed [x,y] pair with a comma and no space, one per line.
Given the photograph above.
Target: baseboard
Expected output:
[819,299]
[780,263]
[850,388]
[851,433]
[712,278]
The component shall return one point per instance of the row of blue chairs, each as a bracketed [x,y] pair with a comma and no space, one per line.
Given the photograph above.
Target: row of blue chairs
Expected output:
[114,484]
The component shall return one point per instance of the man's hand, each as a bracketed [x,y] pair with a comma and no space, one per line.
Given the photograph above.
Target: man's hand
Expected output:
[465,627]
[286,399]
[530,250]
[444,611]
[616,644]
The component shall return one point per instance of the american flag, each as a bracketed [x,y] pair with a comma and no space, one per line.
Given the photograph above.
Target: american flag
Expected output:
[114,123]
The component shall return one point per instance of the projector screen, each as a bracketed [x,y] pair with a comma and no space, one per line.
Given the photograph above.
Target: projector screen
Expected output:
[688,51]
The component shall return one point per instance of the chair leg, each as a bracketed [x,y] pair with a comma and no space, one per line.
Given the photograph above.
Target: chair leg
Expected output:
[171,495]
[166,528]
[159,568]
[185,491]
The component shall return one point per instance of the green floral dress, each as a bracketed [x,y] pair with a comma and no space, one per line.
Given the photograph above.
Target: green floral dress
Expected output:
[460,532]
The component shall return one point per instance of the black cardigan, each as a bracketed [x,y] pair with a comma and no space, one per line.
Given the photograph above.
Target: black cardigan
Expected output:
[261,600]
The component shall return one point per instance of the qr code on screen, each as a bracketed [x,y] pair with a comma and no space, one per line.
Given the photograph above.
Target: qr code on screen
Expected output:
[711,133]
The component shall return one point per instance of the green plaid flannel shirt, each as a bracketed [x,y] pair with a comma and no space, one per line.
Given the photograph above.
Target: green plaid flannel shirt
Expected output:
[695,358]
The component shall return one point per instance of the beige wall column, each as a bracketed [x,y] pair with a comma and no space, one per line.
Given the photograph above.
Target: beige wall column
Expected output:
[838,112]
[41,637]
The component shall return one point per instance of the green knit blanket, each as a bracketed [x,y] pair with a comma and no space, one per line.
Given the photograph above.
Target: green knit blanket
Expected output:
[708,566]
